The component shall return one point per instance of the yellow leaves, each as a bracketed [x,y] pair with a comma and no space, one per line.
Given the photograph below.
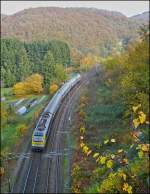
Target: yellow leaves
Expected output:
[53,88]
[85,149]
[127,188]
[123,175]
[109,164]
[140,154]
[145,147]
[32,84]
[2,171]
[106,141]
[111,140]
[95,155]
[142,117]
[82,130]
[19,89]
[102,159]
[81,145]
[136,122]
[135,108]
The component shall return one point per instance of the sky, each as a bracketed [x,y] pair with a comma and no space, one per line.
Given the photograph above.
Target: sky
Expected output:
[128,8]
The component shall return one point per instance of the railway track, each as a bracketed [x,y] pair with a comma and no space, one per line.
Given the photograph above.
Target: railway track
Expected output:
[42,173]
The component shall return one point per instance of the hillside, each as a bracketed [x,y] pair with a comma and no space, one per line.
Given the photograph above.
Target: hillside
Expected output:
[144,16]
[80,27]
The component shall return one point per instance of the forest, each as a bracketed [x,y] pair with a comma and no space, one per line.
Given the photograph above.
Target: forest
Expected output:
[20,59]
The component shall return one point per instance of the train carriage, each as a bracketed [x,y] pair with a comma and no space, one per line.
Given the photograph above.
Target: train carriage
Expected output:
[43,127]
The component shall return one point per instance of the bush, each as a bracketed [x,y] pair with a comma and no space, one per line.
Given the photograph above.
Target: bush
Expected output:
[53,88]
[22,129]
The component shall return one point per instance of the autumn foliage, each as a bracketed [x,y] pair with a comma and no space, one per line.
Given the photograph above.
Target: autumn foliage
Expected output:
[32,85]
[22,129]
[53,88]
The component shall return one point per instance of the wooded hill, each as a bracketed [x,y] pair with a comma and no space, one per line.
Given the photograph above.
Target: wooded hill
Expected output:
[84,28]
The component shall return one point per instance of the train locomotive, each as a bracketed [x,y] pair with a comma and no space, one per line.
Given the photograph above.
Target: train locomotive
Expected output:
[42,130]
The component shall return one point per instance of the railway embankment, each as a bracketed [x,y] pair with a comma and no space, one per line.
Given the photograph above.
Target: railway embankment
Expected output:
[109,152]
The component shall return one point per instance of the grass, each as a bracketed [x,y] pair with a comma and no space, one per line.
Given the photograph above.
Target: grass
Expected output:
[6,91]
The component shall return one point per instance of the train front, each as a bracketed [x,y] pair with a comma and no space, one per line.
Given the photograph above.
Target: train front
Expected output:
[38,141]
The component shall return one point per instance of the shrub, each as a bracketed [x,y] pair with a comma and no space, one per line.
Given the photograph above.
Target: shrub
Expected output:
[22,129]
[53,88]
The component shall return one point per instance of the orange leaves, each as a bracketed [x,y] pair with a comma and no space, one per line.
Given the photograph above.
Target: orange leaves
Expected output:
[124,161]
[32,84]
[53,88]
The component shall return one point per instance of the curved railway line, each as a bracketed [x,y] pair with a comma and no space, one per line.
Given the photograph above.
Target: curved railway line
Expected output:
[42,172]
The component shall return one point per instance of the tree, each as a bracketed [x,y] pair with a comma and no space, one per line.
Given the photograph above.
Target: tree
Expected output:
[75,58]
[60,73]
[4,114]
[48,68]
[53,88]
[32,85]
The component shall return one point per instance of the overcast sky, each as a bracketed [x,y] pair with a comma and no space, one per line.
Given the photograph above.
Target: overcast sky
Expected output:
[128,8]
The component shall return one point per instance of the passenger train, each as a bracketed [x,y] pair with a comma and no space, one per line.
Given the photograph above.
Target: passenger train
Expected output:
[43,127]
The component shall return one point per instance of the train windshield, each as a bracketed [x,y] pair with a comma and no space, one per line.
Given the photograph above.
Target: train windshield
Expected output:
[38,134]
